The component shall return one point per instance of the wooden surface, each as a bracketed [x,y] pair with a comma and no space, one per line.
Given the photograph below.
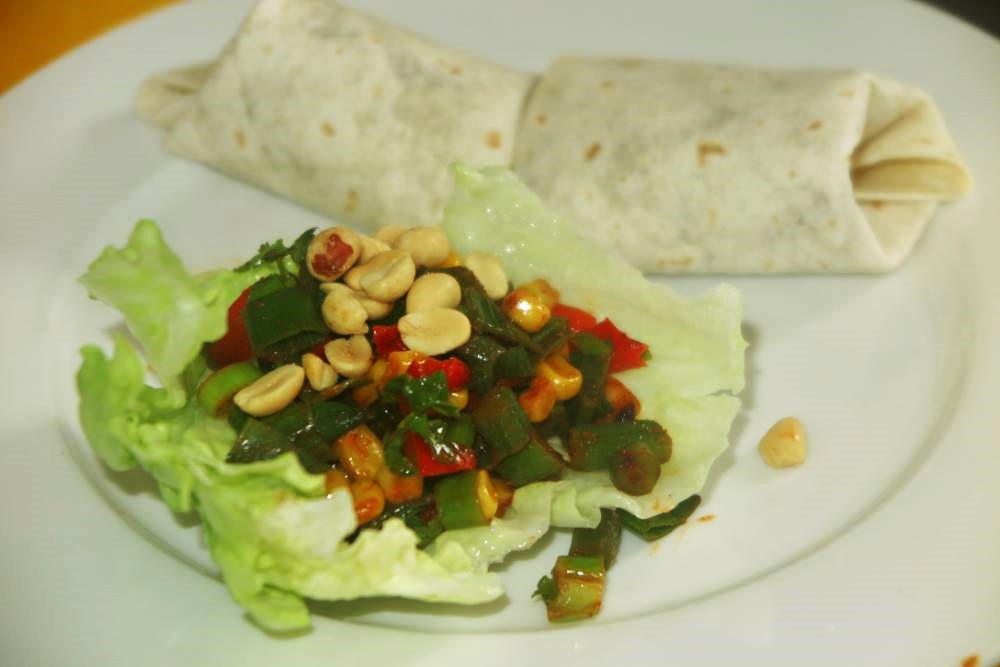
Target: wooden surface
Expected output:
[35,32]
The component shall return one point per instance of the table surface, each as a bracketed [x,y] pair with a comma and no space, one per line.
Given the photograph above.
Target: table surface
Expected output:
[35,32]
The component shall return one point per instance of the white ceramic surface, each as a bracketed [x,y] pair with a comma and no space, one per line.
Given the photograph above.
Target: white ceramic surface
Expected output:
[882,549]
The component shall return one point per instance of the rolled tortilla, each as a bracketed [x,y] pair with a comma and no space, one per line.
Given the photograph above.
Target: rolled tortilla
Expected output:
[339,111]
[696,168]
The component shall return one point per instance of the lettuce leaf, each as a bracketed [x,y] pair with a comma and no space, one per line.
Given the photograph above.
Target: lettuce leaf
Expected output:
[170,311]
[275,534]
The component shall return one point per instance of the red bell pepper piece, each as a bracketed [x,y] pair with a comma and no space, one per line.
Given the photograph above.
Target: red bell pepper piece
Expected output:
[626,353]
[234,346]
[418,451]
[454,369]
[387,339]
[577,319]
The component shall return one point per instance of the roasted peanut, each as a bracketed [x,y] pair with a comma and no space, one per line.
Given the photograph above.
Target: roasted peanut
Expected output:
[319,373]
[272,392]
[433,290]
[343,313]
[435,331]
[784,444]
[371,246]
[489,272]
[450,261]
[375,309]
[351,357]
[389,277]
[389,233]
[332,252]
[526,310]
[428,246]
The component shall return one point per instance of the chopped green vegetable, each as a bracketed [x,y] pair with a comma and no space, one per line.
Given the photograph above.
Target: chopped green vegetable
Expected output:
[218,389]
[484,314]
[502,425]
[480,354]
[515,364]
[290,258]
[604,540]
[552,336]
[591,356]
[425,396]
[459,500]
[634,469]
[575,589]
[276,316]
[660,525]
[537,461]
[592,447]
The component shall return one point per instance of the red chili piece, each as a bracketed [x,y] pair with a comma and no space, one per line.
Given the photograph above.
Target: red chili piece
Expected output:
[387,339]
[234,346]
[418,451]
[626,353]
[455,370]
[577,319]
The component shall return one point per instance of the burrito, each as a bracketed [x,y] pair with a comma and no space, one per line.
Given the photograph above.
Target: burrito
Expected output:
[339,111]
[697,168]
[680,167]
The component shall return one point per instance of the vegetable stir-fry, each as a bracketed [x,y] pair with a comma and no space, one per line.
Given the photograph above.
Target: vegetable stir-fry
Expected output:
[436,404]
[358,416]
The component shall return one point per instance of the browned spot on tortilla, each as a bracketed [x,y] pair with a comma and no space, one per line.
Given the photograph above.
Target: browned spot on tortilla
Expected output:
[847,93]
[376,39]
[707,148]
[591,152]
[452,68]
[971,661]
[654,548]
[327,128]
[823,265]
[792,174]
[541,119]
[760,122]
[493,139]
[726,89]
[667,263]
[713,217]
[377,91]
[607,85]
[769,265]
[831,222]
[815,125]
[352,201]
[631,63]
[339,50]
[775,221]
[268,49]
[241,138]
[877,204]
[706,518]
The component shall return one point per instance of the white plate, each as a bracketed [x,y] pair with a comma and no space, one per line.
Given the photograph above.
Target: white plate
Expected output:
[882,549]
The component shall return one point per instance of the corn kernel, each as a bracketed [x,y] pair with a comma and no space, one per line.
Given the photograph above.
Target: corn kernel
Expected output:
[452,260]
[564,376]
[335,479]
[486,493]
[541,288]
[459,398]
[538,400]
[526,310]
[369,500]
[398,363]
[505,495]
[620,397]
[368,394]
[360,452]
[397,488]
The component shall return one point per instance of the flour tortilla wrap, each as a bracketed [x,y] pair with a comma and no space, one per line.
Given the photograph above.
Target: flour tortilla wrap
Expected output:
[696,168]
[339,111]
